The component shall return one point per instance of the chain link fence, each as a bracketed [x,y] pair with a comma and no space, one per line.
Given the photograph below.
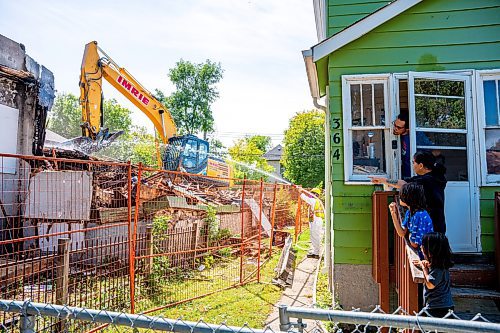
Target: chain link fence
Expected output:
[292,319]
[340,321]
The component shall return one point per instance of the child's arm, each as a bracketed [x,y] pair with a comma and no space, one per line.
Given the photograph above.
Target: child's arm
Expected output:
[424,264]
[396,220]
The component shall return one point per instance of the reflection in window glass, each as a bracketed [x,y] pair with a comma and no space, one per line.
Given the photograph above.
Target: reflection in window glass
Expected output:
[356,104]
[491,97]
[367,107]
[439,87]
[441,139]
[368,152]
[379,104]
[190,153]
[492,141]
[435,112]
[203,151]
[455,161]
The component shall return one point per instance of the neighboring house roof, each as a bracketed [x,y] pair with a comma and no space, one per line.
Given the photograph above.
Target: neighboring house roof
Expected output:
[274,154]
[53,137]
[316,57]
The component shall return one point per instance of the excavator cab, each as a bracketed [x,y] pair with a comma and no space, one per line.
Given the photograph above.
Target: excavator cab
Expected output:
[186,153]
[190,154]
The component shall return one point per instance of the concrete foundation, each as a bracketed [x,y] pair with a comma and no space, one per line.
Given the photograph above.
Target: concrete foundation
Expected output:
[354,286]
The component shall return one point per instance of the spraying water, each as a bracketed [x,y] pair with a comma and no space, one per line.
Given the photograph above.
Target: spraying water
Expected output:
[249,166]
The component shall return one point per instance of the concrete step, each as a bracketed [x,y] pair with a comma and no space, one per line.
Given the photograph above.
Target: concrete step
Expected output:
[476,293]
[473,275]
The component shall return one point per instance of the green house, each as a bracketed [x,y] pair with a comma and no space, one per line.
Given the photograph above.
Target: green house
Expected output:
[440,60]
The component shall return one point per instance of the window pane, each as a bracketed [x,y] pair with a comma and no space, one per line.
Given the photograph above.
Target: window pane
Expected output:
[435,112]
[203,152]
[368,152]
[455,162]
[491,102]
[441,139]
[367,105]
[190,154]
[492,141]
[439,87]
[356,104]
[379,105]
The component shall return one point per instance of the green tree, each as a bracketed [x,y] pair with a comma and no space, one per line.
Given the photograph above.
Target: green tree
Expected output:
[190,105]
[248,151]
[66,116]
[304,149]
[135,144]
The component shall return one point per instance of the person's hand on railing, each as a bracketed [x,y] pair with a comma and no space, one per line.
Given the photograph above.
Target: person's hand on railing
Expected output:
[378,180]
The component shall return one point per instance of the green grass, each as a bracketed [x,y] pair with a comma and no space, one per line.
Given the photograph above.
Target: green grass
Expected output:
[250,303]
[302,246]
[323,295]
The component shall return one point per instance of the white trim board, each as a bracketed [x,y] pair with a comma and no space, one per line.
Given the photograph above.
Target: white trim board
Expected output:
[361,28]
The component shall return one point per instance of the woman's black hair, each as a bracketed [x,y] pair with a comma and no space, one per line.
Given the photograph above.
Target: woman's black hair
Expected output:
[413,195]
[428,160]
[437,249]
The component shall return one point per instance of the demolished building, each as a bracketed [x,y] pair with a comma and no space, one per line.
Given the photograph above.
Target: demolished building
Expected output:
[26,96]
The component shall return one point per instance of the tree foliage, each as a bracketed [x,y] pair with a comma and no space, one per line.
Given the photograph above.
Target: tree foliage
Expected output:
[190,105]
[248,151]
[135,144]
[304,149]
[66,116]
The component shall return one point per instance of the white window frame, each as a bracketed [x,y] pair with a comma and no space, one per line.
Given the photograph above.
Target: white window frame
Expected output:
[481,75]
[347,80]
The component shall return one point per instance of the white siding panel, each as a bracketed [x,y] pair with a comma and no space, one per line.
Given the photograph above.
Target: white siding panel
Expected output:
[60,195]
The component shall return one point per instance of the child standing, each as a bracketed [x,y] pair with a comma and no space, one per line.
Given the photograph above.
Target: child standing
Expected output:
[437,292]
[417,221]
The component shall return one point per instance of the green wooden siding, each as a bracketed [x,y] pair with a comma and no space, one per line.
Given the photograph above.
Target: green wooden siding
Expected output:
[433,35]
[487,205]
[343,13]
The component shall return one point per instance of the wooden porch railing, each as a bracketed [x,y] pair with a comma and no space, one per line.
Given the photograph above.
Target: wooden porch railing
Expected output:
[497,237]
[407,275]
[380,245]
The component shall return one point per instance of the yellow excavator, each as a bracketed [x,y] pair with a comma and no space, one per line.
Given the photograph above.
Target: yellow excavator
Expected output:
[185,153]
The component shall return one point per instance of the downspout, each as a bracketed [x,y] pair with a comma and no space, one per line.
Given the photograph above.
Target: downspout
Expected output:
[328,186]
[313,85]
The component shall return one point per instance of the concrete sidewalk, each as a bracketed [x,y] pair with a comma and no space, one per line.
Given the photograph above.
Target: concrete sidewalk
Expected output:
[300,294]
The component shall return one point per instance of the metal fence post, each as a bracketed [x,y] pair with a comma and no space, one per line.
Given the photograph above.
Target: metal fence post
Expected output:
[27,324]
[62,277]
[242,229]
[194,242]
[129,231]
[133,241]
[260,227]
[297,219]
[284,318]
[149,250]
[273,213]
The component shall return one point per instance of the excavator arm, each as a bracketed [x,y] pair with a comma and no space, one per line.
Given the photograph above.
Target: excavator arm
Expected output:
[96,64]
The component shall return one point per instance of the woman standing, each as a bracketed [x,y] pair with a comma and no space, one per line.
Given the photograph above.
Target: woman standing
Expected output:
[431,176]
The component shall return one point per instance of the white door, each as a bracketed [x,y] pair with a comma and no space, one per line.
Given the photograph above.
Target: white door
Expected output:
[441,121]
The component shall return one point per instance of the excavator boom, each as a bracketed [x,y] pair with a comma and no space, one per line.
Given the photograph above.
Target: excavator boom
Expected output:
[96,64]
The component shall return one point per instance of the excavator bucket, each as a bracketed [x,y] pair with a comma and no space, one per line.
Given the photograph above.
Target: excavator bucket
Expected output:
[88,146]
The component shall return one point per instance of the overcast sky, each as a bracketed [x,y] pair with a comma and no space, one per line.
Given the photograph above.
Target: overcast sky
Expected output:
[257,42]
